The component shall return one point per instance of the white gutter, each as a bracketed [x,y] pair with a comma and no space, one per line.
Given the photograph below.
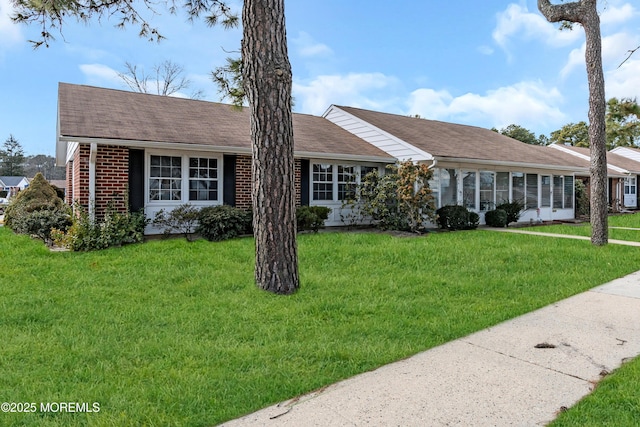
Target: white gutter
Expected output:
[513,164]
[93,154]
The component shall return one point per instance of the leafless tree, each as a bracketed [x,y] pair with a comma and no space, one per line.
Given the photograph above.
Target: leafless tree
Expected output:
[167,79]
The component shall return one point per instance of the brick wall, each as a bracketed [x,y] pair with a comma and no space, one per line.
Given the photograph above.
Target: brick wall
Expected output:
[244,181]
[112,178]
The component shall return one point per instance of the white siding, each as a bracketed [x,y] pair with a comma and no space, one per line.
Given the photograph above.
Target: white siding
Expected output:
[395,147]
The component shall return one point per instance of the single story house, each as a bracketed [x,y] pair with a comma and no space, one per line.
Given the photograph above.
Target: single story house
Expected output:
[473,166]
[13,184]
[622,171]
[139,151]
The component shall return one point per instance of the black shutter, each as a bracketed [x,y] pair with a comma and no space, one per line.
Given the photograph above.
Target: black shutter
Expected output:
[229,179]
[305,176]
[136,180]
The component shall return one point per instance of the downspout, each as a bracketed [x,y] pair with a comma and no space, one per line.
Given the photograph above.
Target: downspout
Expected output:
[93,154]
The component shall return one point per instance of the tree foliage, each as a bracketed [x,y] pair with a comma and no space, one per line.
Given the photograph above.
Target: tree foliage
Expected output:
[623,123]
[11,158]
[523,134]
[574,134]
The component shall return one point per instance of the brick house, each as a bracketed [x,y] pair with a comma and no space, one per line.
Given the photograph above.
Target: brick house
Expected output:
[139,151]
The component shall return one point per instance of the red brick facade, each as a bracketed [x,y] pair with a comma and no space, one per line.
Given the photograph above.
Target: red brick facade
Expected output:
[112,179]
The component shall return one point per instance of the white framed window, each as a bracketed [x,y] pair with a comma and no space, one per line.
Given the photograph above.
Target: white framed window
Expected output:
[487,191]
[545,191]
[333,182]
[531,201]
[186,178]
[469,189]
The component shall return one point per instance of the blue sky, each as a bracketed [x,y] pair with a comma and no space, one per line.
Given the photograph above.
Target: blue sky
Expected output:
[485,63]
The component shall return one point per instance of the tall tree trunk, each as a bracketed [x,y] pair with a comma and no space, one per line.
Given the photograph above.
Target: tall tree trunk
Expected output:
[585,13]
[267,83]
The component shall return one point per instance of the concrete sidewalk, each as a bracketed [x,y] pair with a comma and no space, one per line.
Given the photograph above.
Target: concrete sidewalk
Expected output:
[495,377]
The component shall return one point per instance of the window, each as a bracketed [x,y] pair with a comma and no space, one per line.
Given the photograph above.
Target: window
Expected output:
[165,178]
[558,187]
[448,187]
[545,191]
[203,179]
[469,190]
[347,183]
[502,187]
[568,192]
[518,187]
[487,191]
[322,182]
[365,170]
[531,191]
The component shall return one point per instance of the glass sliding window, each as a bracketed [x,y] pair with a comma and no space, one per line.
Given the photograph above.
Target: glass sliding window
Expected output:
[568,192]
[487,191]
[532,191]
[434,185]
[165,178]
[518,187]
[502,187]
[448,187]
[545,191]
[322,181]
[558,187]
[469,190]
[203,179]
[365,170]
[346,182]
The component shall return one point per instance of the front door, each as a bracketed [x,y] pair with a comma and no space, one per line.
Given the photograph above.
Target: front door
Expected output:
[630,193]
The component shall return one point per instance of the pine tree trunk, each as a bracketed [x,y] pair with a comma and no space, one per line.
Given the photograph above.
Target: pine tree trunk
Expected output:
[585,12]
[267,83]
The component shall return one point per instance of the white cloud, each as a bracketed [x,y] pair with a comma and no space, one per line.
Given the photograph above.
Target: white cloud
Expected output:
[616,15]
[517,22]
[529,104]
[10,33]
[99,74]
[368,90]
[485,50]
[624,82]
[308,47]
[615,48]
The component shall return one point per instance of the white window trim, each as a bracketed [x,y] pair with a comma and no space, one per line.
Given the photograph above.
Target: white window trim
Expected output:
[334,176]
[185,156]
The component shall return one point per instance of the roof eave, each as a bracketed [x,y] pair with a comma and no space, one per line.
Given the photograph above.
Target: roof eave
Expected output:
[510,164]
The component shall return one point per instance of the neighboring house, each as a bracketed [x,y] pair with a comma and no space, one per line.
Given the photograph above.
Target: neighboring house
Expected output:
[139,151]
[474,167]
[13,184]
[622,172]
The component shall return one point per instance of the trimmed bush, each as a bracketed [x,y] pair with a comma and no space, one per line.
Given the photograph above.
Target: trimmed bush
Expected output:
[456,217]
[40,223]
[183,219]
[223,222]
[311,217]
[496,218]
[513,210]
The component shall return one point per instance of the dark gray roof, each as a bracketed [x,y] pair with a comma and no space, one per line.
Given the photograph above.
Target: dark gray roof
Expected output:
[11,181]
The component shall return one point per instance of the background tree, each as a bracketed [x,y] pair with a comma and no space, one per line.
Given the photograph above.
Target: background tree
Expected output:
[267,81]
[522,134]
[574,134]
[623,123]
[12,157]
[44,164]
[585,13]
[167,79]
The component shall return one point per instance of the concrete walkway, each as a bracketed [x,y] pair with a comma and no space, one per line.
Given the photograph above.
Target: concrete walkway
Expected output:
[518,373]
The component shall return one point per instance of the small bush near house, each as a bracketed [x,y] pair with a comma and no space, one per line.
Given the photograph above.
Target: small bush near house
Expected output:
[496,218]
[311,217]
[513,210]
[115,229]
[37,210]
[456,217]
[183,220]
[223,222]
[583,205]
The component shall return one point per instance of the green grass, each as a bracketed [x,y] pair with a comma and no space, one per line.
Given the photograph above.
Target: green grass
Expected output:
[584,229]
[172,333]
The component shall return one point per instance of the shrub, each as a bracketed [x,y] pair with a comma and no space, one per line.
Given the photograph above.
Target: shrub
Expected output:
[183,219]
[496,218]
[456,217]
[513,210]
[311,217]
[115,229]
[583,207]
[223,222]
[400,200]
[36,210]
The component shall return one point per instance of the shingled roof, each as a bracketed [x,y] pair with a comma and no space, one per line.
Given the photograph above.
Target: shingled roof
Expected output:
[87,113]
[462,142]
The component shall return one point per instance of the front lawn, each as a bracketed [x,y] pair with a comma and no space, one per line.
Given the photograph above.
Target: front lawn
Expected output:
[176,333]
[620,226]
